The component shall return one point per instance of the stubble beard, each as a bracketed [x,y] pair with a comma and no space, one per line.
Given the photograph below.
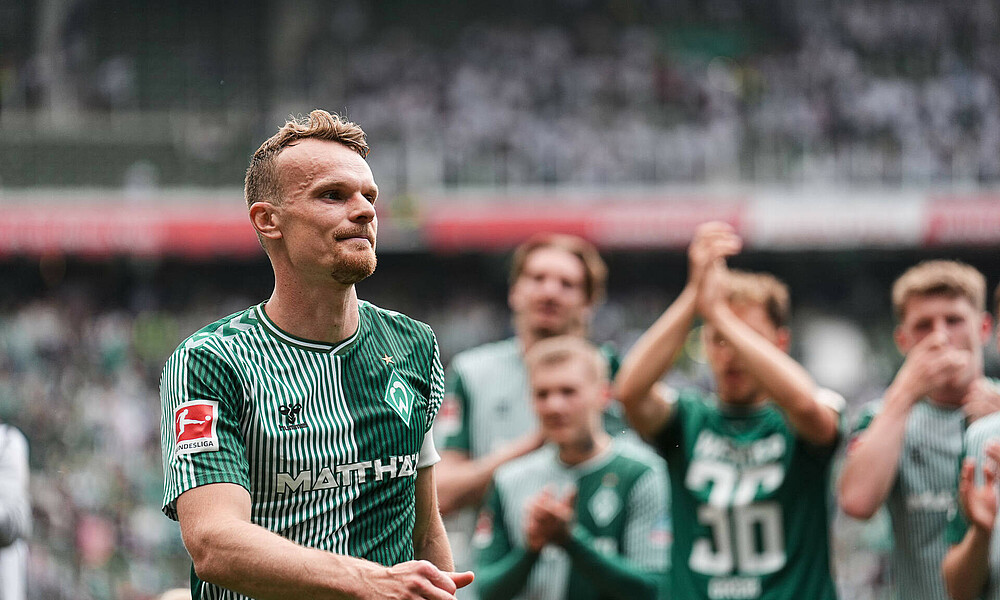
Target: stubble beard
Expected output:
[354,268]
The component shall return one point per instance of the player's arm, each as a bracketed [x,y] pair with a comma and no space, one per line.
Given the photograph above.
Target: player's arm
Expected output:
[873,454]
[788,384]
[645,402]
[502,569]
[230,551]
[965,567]
[461,480]
[15,509]
[429,539]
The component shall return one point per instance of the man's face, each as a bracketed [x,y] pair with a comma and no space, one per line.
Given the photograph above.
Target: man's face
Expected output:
[568,400]
[964,328]
[327,219]
[549,296]
[735,384]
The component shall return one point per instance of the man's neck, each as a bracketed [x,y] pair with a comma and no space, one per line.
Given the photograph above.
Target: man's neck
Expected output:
[529,337]
[322,314]
[584,450]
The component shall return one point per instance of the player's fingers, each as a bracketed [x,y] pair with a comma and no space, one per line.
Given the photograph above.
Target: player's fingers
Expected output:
[989,473]
[993,451]
[965,476]
[461,579]
[438,578]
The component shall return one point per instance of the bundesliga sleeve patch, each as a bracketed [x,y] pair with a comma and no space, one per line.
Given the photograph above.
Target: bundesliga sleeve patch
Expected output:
[194,427]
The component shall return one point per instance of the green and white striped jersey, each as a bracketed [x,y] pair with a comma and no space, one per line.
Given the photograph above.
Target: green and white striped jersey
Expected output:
[749,502]
[922,495]
[977,436]
[326,438]
[619,542]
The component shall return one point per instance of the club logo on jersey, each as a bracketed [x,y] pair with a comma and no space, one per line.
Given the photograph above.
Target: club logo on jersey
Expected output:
[400,396]
[291,414]
[194,426]
[483,535]
[604,506]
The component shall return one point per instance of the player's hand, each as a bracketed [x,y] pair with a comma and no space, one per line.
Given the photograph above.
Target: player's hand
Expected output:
[712,241]
[419,580]
[982,399]
[980,502]
[550,518]
[931,365]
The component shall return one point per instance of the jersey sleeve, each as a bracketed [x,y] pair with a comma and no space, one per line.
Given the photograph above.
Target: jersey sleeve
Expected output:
[647,532]
[436,384]
[502,569]
[863,421]
[200,438]
[453,426]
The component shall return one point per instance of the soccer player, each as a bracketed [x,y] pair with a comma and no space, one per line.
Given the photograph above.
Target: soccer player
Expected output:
[295,433]
[905,447]
[583,517]
[556,282]
[15,513]
[749,466]
[971,568]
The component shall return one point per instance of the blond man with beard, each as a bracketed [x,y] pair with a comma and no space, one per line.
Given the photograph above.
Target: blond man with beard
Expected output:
[296,434]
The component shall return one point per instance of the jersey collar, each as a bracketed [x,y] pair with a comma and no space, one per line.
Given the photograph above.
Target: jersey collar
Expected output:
[339,348]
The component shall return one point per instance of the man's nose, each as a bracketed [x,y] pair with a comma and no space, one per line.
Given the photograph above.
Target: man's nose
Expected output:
[363,209]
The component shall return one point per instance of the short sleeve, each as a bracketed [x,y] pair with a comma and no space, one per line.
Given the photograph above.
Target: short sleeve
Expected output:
[200,438]
[647,532]
[436,398]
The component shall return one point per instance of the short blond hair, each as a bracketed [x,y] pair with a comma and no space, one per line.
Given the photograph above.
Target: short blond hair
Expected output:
[594,269]
[566,348]
[262,183]
[949,278]
[764,289]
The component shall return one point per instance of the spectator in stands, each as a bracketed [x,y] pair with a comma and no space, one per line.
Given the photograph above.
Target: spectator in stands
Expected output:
[585,515]
[905,447]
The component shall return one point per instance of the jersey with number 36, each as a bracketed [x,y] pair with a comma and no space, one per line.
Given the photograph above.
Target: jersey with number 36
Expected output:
[749,503]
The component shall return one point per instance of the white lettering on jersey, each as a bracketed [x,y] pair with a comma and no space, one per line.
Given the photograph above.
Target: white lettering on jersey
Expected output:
[343,475]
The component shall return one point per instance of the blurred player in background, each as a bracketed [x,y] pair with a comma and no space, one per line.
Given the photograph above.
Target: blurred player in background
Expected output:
[583,517]
[295,434]
[15,513]
[905,447]
[556,282]
[749,467]
[971,568]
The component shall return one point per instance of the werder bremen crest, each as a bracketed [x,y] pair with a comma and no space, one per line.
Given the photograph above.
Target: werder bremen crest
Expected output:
[400,397]
[604,506]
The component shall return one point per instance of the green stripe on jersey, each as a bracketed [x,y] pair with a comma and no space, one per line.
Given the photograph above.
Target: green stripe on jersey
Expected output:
[306,428]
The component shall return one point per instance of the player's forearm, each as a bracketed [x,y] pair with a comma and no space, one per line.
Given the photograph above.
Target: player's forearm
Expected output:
[966,566]
[252,561]
[788,383]
[652,356]
[872,462]
[464,482]
[614,575]
[433,545]
[505,578]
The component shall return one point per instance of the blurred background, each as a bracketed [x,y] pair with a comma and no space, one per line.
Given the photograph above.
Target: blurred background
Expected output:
[844,139]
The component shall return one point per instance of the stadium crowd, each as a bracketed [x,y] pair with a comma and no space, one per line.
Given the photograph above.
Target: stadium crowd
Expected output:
[584,93]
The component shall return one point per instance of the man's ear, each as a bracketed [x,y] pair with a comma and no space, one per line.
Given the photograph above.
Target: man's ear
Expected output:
[266,220]
[986,328]
[783,339]
[902,340]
